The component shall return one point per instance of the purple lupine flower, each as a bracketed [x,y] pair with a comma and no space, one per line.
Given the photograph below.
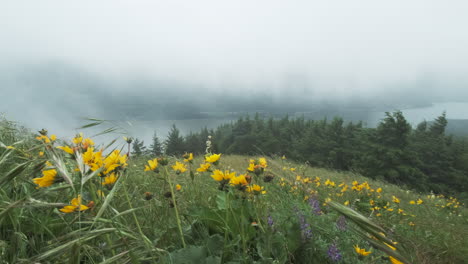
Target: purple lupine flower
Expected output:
[333,252]
[270,221]
[315,204]
[341,223]
[306,230]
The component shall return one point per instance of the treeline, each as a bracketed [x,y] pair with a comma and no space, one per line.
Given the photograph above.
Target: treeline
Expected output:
[424,158]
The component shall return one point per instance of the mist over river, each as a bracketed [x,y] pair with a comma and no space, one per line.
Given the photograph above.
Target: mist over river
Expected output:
[144,129]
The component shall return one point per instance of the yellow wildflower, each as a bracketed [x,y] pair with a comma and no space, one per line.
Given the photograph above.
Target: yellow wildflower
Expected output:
[93,159]
[361,251]
[87,142]
[75,206]
[53,137]
[344,188]
[329,183]
[204,167]
[47,179]
[178,187]
[346,203]
[239,181]
[257,167]
[114,161]
[43,138]
[419,201]
[152,165]
[223,176]
[379,190]
[256,189]
[251,167]
[179,167]
[390,246]
[188,157]
[395,200]
[213,158]
[66,149]
[412,202]
[110,179]
[394,260]
[41,153]
[78,139]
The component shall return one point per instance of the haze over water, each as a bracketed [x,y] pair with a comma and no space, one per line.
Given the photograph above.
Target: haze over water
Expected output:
[154,63]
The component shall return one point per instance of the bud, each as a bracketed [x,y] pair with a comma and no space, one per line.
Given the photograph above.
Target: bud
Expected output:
[163,161]
[43,132]
[148,196]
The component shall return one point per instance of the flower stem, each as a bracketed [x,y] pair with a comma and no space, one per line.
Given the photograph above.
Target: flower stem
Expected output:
[146,240]
[175,208]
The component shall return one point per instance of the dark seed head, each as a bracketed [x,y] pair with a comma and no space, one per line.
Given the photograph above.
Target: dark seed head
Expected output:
[268,178]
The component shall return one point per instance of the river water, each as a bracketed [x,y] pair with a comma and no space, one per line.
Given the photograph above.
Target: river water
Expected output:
[145,129]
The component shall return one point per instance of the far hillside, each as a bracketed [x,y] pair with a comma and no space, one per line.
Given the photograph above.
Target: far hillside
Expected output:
[458,127]
[425,158]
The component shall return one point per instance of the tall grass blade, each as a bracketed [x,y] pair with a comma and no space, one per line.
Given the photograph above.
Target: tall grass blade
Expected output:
[13,173]
[60,249]
[107,200]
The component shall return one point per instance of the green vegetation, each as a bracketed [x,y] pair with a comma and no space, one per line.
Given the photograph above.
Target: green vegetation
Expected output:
[424,158]
[79,201]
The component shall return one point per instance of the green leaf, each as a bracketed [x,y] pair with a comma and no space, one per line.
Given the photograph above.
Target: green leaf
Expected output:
[221,200]
[192,176]
[215,244]
[189,255]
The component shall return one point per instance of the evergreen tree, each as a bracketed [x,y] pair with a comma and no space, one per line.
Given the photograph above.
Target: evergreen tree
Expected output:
[138,147]
[174,143]
[156,147]
[194,144]
[439,125]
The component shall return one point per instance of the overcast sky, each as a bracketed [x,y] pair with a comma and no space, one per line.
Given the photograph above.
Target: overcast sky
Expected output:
[350,50]
[361,46]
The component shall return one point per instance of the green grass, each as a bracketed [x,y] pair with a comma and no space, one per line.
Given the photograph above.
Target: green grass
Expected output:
[141,219]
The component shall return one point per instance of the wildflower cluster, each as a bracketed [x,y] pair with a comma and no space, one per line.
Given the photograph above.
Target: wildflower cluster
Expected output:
[87,161]
[242,182]
[257,166]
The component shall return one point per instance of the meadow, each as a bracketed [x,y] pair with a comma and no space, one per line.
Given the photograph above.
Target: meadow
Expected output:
[77,200]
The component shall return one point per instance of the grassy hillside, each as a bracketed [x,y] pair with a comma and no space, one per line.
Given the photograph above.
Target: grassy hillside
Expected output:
[85,203]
